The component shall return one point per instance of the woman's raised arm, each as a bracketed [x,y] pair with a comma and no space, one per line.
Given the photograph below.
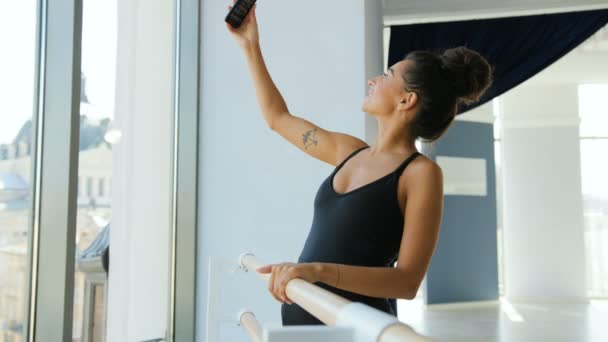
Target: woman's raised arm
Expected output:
[330,147]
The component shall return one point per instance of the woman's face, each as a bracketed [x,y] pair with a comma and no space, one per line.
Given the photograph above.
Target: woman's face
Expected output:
[386,91]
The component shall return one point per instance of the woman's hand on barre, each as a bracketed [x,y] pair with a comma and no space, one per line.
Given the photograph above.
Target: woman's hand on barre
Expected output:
[281,274]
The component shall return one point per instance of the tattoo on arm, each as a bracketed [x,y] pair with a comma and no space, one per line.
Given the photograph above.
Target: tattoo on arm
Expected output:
[310,138]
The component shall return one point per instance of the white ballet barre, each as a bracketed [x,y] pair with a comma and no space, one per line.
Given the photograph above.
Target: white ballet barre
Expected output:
[367,324]
[251,325]
[303,333]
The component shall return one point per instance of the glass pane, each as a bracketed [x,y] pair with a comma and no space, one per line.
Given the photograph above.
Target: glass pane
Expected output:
[593,110]
[594,168]
[99,25]
[17,89]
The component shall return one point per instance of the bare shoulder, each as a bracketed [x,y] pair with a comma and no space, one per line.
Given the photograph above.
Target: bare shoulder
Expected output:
[423,165]
[422,172]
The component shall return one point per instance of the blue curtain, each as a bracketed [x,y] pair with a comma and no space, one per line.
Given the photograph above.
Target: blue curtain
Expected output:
[518,48]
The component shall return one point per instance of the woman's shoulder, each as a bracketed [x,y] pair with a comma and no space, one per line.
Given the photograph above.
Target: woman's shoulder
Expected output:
[423,162]
[422,169]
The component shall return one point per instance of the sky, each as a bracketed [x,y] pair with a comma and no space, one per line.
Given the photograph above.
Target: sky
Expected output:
[17,60]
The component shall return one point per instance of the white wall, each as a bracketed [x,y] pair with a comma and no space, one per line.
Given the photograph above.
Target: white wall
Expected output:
[256,190]
[141,194]
[543,215]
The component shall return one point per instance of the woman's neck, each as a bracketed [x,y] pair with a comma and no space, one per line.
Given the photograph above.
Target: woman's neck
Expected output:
[393,138]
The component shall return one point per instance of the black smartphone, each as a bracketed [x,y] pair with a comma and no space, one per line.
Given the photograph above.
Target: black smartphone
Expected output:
[239,12]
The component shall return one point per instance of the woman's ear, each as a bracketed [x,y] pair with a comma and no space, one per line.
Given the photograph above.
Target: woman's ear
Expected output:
[409,101]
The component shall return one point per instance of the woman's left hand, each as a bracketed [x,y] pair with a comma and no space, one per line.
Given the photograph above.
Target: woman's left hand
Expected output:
[281,274]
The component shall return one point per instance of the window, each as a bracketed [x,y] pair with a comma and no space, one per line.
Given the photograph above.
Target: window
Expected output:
[19,108]
[17,89]
[99,26]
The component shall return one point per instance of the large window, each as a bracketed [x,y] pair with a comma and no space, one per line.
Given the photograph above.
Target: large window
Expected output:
[39,74]
[17,89]
[594,168]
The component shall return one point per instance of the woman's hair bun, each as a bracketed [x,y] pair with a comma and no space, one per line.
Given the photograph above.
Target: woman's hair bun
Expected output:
[469,73]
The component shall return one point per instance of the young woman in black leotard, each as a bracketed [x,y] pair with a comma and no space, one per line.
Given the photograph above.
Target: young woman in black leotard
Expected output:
[383,203]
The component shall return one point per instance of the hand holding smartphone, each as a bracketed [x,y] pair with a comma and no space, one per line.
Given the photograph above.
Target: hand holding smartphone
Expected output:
[238,12]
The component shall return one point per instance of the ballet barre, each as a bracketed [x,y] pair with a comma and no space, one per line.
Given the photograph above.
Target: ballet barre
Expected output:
[346,321]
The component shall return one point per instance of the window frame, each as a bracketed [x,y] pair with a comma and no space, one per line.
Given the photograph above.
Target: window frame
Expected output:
[182,316]
[55,171]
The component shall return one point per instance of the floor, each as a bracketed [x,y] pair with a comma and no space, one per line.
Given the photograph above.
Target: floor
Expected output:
[507,322]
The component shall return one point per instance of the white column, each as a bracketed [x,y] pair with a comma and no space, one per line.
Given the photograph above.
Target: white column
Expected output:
[543,220]
[138,291]
[256,190]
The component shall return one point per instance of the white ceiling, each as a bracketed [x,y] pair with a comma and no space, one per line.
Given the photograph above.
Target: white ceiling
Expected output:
[409,11]
[586,64]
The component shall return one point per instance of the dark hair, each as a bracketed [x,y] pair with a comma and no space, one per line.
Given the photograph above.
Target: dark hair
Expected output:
[442,82]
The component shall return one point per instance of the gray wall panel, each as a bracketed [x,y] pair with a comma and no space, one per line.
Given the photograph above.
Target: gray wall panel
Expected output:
[464,267]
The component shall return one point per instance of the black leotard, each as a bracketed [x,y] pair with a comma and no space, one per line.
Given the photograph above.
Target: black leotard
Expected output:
[362,227]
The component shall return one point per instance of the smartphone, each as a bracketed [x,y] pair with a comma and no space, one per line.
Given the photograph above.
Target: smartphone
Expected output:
[239,12]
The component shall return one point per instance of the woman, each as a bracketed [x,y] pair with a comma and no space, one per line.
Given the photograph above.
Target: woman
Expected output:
[383,203]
